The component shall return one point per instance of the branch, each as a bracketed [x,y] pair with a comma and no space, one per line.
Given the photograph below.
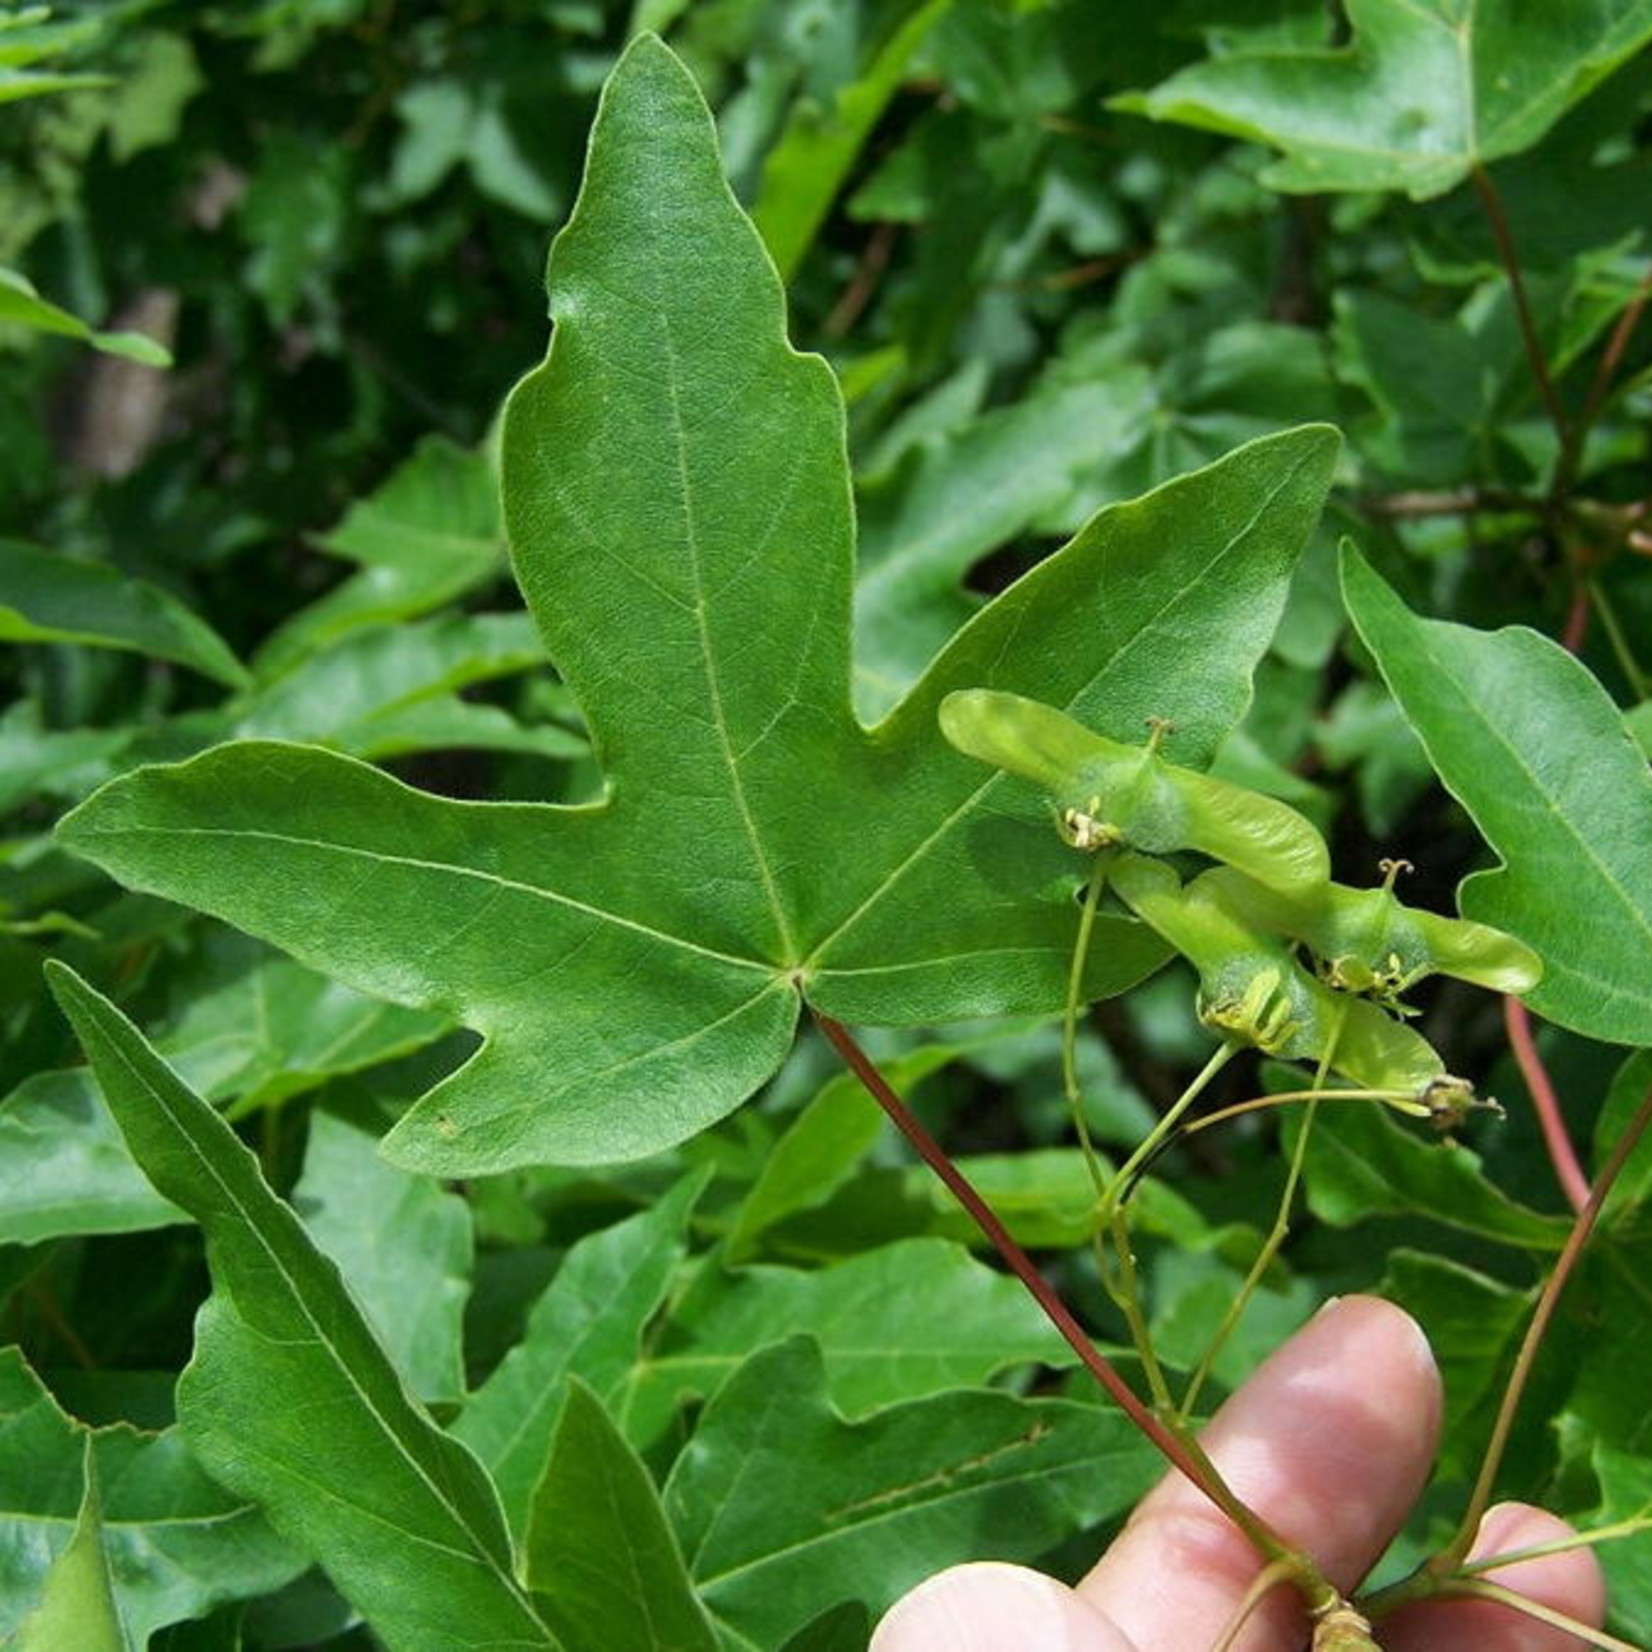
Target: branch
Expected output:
[1183,1454]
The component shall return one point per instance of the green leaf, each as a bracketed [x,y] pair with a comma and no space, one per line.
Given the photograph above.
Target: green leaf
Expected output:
[634,965]
[176,1543]
[1630,1197]
[21,305]
[599,1553]
[389,689]
[950,502]
[258,1029]
[1639,720]
[822,1146]
[896,1323]
[46,598]
[1626,1494]
[397,1239]
[65,1168]
[1531,745]
[589,1322]
[403,1518]
[1362,1163]
[57,762]
[428,535]
[1474,1326]
[77,1607]
[807,166]
[885,1502]
[1427,91]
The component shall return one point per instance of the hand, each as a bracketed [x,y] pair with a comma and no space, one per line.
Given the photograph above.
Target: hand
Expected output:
[1330,1441]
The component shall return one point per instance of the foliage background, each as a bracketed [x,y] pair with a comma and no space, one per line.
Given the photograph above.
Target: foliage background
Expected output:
[334,213]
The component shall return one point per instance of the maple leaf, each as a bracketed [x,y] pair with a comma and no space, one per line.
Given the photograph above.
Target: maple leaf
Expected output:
[678,506]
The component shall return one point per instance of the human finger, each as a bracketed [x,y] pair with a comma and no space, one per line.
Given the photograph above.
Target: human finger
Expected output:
[992,1607]
[1330,1442]
[1569,1582]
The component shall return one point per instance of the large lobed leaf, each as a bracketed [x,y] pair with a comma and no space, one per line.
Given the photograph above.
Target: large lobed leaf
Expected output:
[289,1398]
[677,501]
[1533,747]
[1427,91]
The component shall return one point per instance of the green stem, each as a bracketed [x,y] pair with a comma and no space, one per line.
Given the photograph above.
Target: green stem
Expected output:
[1069,1023]
[1118,1192]
[1122,1287]
[1276,1235]
[1630,1527]
[1619,639]
[1480,1499]
[1484,1589]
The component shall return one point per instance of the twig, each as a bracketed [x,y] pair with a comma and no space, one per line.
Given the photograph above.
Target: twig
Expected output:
[1450,502]
[1605,371]
[1485,1589]
[1493,203]
[1562,1155]
[874,260]
[1183,1454]
[1452,1556]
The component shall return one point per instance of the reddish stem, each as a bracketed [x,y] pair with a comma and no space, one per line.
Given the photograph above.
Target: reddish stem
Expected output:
[1576,627]
[1499,220]
[1548,1299]
[1190,1462]
[1562,1154]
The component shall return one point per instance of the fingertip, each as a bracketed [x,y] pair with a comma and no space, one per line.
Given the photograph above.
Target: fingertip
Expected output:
[990,1606]
[1569,1580]
[1330,1441]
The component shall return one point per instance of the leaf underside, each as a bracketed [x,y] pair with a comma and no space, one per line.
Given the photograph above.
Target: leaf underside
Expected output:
[1533,747]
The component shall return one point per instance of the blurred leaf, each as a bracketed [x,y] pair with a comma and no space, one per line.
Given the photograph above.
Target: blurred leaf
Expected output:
[718,690]
[599,1552]
[295,215]
[954,499]
[1529,742]
[65,1168]
[1361,1163]
[397,1239]
[1626,1494]
[77,1606]
[427,535]
[885,1502]
[1427,91]
[897,1323]
[1190,1293]
[589,1323]
[808,164]
[383,690]
[56,762]
[176,1544]
[260,1029]
[21,305]
[47,598]
[1474,1325]
[403,1518]
[1630,1198]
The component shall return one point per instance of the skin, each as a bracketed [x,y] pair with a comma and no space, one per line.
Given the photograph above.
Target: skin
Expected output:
[1331,1440]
